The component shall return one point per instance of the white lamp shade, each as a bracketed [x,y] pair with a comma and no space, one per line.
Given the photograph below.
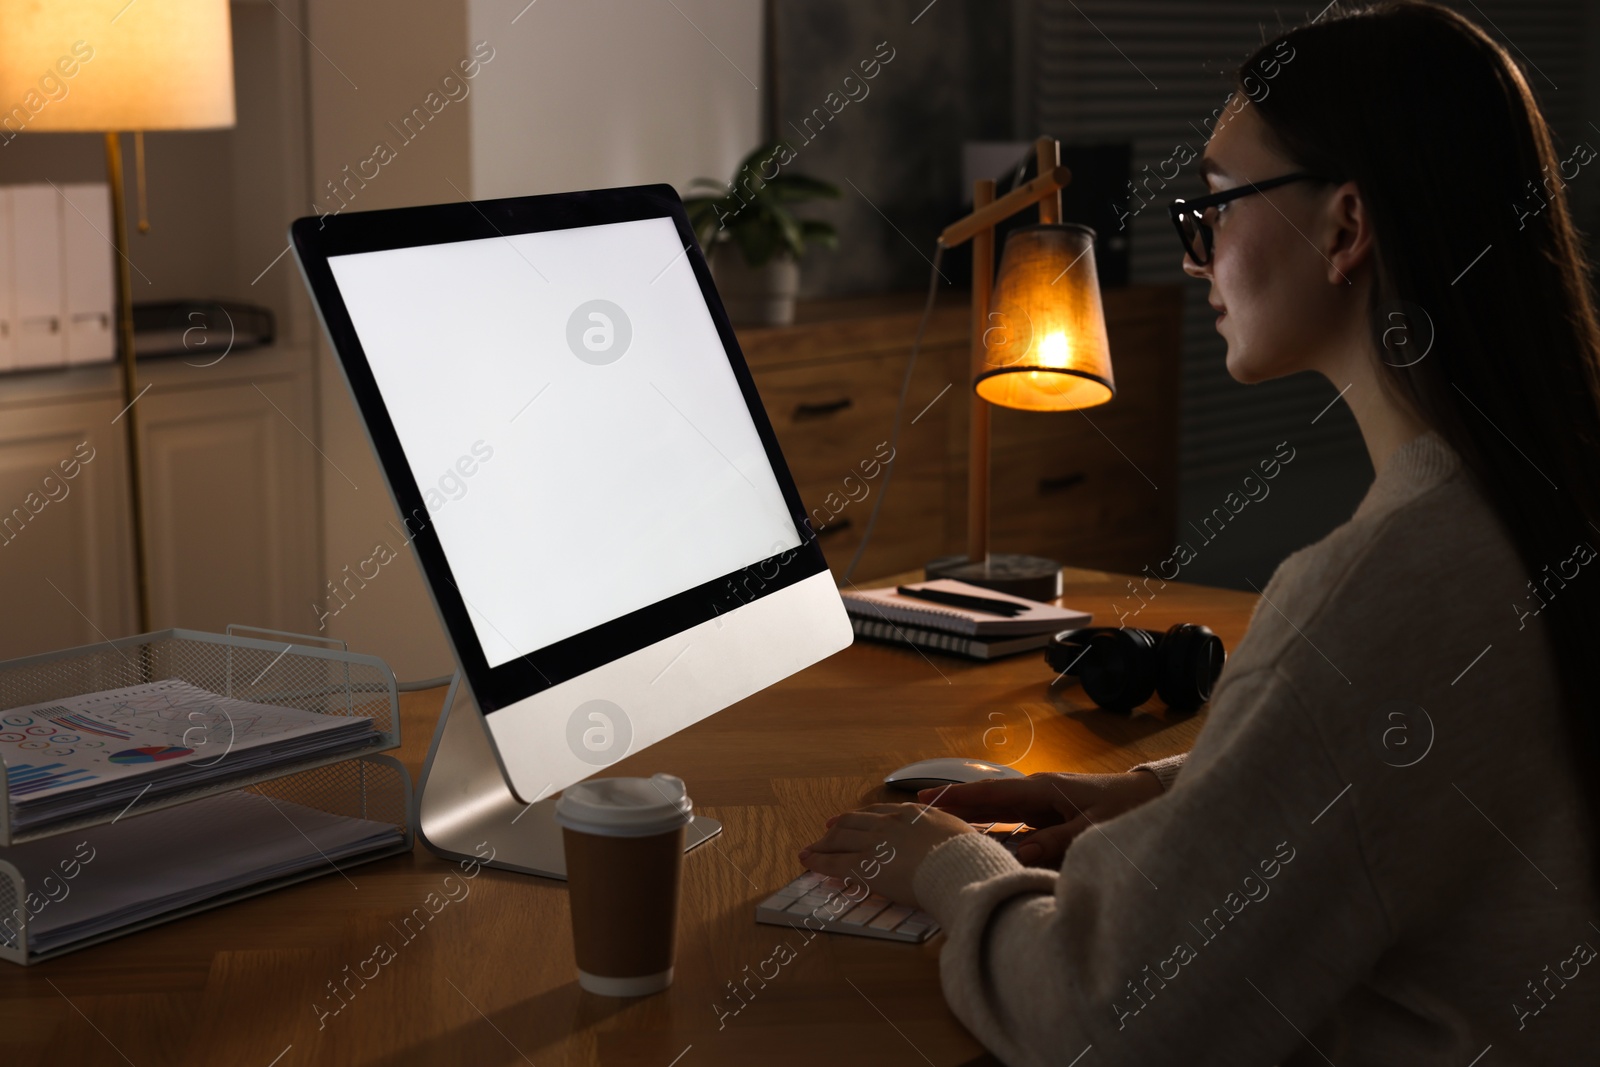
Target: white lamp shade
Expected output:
[97,65]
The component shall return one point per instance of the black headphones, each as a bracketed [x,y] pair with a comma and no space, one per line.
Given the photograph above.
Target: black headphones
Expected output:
[1120,667]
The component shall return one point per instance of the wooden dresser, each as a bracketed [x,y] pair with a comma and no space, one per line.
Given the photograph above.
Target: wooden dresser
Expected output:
[1095,489]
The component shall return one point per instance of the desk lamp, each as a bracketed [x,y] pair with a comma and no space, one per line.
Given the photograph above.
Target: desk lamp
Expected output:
[164,65]
[1038,344]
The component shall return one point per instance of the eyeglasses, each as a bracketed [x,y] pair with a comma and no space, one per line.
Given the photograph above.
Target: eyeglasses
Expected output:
[1189,215]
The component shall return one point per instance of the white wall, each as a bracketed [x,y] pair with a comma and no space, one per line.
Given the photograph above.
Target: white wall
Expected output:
[596,93]
[369,64]
[578,94]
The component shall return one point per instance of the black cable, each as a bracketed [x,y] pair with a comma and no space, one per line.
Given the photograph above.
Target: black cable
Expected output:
[894,435]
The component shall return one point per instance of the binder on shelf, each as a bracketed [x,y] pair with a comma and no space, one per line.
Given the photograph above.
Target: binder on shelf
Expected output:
[87,265]
[347,808]
[36,277]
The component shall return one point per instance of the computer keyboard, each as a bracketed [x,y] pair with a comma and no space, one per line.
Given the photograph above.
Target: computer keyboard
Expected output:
[825,903]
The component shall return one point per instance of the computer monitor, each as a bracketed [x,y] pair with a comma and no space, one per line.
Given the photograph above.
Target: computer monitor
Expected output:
[581,463]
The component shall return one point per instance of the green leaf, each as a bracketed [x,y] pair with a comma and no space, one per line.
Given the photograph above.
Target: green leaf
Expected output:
[789,232]
[820,232]
[758,244]
[750,210]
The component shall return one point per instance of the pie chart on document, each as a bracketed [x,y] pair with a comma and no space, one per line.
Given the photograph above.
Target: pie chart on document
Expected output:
[149,755]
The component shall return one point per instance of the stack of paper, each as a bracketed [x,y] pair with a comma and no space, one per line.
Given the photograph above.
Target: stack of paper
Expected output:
[109,876]
[104,751]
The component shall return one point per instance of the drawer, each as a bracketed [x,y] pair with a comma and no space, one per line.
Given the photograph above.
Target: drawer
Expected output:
[831,417]
[1087,507]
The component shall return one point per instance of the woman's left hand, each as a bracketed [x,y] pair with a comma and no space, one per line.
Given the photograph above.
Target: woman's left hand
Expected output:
[882,845]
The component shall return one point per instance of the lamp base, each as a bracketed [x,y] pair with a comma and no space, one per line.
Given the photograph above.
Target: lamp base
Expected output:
[1034,577]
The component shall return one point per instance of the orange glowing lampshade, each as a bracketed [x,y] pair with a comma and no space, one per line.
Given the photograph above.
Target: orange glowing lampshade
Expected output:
[1045,346]
[75,65]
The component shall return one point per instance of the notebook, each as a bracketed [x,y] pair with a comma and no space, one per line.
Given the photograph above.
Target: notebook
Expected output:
[885,603]
[894,633]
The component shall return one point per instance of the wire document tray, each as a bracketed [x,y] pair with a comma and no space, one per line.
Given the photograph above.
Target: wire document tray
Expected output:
[373,788]
[290,672]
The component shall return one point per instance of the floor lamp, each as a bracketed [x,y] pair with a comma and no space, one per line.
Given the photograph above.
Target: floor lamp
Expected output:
[1038,344]
[107,66]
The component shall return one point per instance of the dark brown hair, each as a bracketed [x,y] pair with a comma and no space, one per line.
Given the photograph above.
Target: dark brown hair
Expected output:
[1436,125]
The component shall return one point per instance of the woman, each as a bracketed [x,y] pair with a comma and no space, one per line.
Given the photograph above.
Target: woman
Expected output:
[1382,848]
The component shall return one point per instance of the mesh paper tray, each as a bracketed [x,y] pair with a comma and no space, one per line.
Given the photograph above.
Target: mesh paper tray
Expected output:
[373,787]
[293,672]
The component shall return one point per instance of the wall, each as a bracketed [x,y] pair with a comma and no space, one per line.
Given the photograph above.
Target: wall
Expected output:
[892,142]
[566,96]
[614,92]
[369,64]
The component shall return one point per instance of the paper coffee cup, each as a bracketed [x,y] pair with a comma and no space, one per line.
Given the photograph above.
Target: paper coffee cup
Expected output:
[623,839]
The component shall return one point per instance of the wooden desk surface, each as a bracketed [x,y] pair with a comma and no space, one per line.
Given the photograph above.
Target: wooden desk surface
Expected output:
[490,978]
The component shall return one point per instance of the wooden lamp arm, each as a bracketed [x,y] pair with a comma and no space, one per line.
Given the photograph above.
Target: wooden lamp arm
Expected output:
[1045,185]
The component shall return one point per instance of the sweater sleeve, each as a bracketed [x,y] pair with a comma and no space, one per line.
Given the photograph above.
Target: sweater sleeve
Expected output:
[1165,770]
[1217,924]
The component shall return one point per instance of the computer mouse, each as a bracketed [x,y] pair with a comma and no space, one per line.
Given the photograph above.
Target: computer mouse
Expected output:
[932,773]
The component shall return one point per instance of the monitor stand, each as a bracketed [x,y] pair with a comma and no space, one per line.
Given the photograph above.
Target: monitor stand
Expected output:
[467,811]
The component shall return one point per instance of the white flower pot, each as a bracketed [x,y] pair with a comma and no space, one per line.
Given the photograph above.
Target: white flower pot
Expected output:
[755,296]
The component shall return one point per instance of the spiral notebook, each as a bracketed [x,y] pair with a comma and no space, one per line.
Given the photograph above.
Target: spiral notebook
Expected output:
[886,603]
[894,633]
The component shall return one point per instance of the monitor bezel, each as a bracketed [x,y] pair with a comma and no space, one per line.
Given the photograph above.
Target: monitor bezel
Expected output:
[316,239]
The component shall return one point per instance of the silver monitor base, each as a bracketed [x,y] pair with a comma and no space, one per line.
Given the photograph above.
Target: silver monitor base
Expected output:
[467,811]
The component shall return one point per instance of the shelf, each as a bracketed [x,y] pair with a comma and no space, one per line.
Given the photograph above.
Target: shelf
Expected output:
[373,788]
[291,673]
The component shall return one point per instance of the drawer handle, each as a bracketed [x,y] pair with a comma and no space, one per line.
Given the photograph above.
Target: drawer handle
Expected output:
[833,528]
[817,411]
[1065,481]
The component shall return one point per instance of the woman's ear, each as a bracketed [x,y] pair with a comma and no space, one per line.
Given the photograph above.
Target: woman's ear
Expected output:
[1349,233]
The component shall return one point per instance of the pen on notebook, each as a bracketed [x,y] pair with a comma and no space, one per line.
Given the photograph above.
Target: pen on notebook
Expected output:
[962,600]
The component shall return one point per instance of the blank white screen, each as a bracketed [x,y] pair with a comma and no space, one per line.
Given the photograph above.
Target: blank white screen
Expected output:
[606,487]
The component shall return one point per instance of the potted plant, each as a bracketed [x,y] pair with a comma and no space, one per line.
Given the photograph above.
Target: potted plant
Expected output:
[752,238]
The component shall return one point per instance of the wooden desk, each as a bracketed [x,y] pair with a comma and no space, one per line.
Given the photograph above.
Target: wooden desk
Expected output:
[490,978]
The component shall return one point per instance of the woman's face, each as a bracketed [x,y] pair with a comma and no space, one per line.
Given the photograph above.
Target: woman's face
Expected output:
[1268,272]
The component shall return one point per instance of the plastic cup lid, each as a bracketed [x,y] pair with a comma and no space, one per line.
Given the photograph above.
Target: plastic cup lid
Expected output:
[625,807]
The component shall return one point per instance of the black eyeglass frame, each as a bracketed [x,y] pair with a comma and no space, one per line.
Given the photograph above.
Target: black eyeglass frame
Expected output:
[1181,207]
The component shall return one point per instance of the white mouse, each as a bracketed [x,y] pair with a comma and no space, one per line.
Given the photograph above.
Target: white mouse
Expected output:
[932,773]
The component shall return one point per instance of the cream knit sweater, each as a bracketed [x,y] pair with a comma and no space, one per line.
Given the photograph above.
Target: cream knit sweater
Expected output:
[1374,853]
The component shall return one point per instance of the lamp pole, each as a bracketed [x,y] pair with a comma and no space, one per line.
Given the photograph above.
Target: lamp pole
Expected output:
[130,374]
[978,407]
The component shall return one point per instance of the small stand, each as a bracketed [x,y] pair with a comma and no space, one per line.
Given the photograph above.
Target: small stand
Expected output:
[466,809]
[1034,577]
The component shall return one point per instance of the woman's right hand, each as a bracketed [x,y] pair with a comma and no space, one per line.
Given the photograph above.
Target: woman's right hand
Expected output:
[1061,806]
